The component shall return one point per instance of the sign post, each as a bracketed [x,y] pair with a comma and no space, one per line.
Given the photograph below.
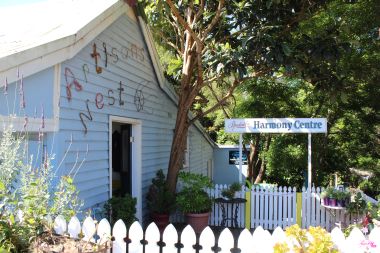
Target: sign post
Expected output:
[276,125]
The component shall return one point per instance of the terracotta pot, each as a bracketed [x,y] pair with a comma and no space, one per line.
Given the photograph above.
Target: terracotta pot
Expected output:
[161,220]
[198,221]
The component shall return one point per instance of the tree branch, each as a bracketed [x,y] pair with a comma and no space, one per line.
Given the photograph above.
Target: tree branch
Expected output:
[214,20]
[183,22]
[221,101]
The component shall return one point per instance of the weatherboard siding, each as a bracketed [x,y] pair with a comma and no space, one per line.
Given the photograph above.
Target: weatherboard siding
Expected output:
[157,117]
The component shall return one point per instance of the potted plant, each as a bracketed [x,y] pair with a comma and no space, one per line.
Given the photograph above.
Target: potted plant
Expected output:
[341,197]
[121,208]
[161,201]
[327,196]
[231,191]
[193,199]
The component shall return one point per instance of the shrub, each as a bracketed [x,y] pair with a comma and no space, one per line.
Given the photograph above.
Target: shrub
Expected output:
[28,198]
[123,208]
[193,197]
[318,241]
[160,199]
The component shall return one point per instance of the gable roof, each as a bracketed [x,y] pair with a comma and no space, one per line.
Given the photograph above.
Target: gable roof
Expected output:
[47,33]
[39,35]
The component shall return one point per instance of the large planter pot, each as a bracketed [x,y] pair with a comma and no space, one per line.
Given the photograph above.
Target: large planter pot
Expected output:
[161,220]
[332,202]
[197,220]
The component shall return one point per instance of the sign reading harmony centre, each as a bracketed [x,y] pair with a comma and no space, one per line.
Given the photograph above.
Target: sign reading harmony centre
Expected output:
[276,125]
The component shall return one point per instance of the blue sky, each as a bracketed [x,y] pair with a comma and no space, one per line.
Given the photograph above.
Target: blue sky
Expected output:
[17,2]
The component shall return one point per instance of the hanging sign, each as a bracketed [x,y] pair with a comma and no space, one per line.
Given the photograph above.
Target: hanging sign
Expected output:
[276,125]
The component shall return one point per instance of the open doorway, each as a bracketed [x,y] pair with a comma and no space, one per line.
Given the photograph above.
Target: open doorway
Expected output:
[125,174]
[121,159]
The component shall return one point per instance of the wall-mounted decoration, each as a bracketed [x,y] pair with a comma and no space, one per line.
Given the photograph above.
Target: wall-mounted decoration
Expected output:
[89,116]
[99,101]
[105,53]
[95,55]
[114,55]
[86,71]
[139,98]
[70,81]
[120,89]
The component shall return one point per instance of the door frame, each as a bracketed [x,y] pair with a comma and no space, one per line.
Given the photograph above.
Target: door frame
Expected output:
[136,148]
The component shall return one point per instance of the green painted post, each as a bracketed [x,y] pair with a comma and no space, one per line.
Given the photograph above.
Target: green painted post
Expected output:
[248,210]
[299,209]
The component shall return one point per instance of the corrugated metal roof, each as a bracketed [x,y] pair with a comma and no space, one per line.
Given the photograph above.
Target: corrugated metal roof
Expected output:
[26,26]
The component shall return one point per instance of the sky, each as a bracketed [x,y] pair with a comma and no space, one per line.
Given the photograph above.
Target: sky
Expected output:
[4,3]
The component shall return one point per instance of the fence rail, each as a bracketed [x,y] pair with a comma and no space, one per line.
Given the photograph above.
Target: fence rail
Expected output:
[136,240]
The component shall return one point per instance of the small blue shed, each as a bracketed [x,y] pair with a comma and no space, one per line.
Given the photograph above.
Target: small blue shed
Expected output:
[90,70]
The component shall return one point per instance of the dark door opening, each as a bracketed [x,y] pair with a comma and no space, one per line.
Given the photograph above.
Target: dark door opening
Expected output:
[121,159]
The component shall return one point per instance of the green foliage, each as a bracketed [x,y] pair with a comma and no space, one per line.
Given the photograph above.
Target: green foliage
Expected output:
[123,208]
[193,198]
[357,204]
[27,202]
[231,190]
[160,199]
[312,240]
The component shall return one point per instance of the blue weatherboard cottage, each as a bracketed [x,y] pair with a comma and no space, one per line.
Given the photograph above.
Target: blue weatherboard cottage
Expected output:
[86,75]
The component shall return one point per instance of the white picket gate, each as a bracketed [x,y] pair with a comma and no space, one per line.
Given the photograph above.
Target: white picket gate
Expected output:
[273,207]
[136,240]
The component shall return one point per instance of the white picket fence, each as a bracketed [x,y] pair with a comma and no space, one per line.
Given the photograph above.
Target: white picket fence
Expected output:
[273,206]
[136,240]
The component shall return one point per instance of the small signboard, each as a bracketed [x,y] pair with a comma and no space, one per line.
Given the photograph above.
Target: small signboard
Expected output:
[276,125]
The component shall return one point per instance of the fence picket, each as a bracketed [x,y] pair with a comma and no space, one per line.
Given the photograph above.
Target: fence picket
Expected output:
[170,237]
[275,209]
[152,236]
[188,239]
[135,234]
[89,229]
[74,227]
[207,240]
[244,241]
[119,232]
[226,241]
[104,231]
[60,225]
[280,208]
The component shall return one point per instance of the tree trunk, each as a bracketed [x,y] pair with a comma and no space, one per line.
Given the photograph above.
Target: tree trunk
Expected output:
[252,157]
[182,121]
[261,173]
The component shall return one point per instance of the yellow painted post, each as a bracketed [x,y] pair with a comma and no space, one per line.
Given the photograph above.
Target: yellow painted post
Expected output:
[299,209]
[248,210]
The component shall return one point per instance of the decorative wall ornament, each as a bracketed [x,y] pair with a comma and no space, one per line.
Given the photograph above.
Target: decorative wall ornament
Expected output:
[139,98]
[99,101]
[73,81]
[95,55]
[105,53]
[114,55]
[89,116]
[86,71]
